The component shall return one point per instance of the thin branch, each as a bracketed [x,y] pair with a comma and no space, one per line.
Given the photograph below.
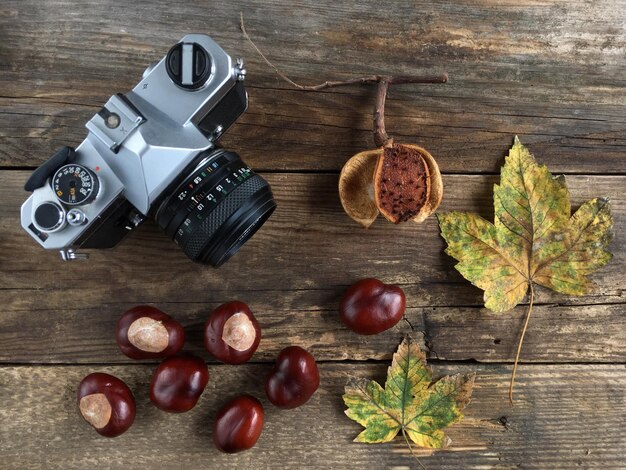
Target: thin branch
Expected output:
[521,340]
[381,139]
[369,79]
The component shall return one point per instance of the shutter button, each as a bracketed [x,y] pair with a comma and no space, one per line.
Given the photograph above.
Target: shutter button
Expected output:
[188,65]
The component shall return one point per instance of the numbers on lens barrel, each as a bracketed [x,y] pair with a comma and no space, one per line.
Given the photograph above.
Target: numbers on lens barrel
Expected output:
[200,201]
[75,184]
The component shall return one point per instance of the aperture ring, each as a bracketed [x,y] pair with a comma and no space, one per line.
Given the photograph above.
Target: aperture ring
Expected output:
[195,234]
[224,177]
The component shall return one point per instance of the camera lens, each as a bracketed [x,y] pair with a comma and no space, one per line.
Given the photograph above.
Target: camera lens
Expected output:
[216,205]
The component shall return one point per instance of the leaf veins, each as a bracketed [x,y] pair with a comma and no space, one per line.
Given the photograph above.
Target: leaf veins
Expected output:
[410,403]
[533,239]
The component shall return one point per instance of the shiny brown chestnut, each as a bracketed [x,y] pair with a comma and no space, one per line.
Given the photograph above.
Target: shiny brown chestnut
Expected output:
[371,306]
[178,383]
[145,332]
[294,379]
[238,424]
[232,334]
[106,403]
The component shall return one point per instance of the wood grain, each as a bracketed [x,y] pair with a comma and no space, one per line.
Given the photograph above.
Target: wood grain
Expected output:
[66,335]
[564,417]
[547,70]
[66,312]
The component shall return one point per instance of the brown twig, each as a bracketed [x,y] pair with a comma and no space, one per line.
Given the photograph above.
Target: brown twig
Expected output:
[381,139]
[383,81]
[521,340]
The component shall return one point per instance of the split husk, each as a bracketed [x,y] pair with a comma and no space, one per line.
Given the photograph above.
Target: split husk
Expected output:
[357,179]
[356,187]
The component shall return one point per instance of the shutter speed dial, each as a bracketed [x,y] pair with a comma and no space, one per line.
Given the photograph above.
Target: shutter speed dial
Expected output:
[75,185]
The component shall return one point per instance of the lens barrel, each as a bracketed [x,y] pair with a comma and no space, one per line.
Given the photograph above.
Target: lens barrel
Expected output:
[215,207]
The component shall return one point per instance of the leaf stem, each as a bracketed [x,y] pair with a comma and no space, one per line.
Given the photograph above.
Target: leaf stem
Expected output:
[521,340]
[406,439]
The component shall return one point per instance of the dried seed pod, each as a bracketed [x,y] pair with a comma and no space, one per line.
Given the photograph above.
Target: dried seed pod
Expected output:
[436,185]
[407,183]
[402,181]
[418,199]
[356,187]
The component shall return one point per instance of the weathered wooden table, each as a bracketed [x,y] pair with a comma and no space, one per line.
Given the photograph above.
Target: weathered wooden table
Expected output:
[550,71]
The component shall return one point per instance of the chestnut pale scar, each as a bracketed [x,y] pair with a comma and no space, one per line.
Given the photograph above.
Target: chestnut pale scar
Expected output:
[148,334]
[239,332]
[96,409]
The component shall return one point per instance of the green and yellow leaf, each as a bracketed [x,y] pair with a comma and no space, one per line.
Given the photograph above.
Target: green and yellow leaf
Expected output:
[564,261]
[410,403]
[533,238]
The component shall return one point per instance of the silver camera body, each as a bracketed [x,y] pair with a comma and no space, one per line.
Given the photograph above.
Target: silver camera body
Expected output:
[138,147]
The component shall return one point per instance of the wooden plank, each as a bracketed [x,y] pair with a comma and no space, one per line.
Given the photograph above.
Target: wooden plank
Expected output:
[548,71]
[582,333]
[564,417]
[58,312]
[595,333]
[309,229]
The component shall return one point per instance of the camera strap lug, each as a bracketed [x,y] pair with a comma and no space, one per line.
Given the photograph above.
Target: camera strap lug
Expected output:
[69,254]
[134,219]
[115,121]
[239,70]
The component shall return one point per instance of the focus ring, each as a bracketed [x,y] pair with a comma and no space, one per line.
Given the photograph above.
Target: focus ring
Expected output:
[204,231]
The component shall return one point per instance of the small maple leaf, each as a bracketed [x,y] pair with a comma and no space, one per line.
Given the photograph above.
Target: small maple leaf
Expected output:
[410,403]
[533,239]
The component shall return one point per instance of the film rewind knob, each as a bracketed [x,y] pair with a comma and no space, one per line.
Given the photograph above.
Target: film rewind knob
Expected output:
[188,64]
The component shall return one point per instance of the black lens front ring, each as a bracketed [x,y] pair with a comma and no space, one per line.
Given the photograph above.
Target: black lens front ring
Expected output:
[198,234]
[215,206]
[239,228]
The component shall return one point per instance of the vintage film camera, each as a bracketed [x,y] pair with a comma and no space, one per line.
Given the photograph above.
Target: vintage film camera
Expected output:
[153,152]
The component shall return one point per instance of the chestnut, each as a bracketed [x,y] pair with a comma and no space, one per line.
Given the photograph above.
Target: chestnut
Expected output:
[294,379]
[178,383]
[238,424]
[145,332]
[106,403]
[371,306]
[232,334]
